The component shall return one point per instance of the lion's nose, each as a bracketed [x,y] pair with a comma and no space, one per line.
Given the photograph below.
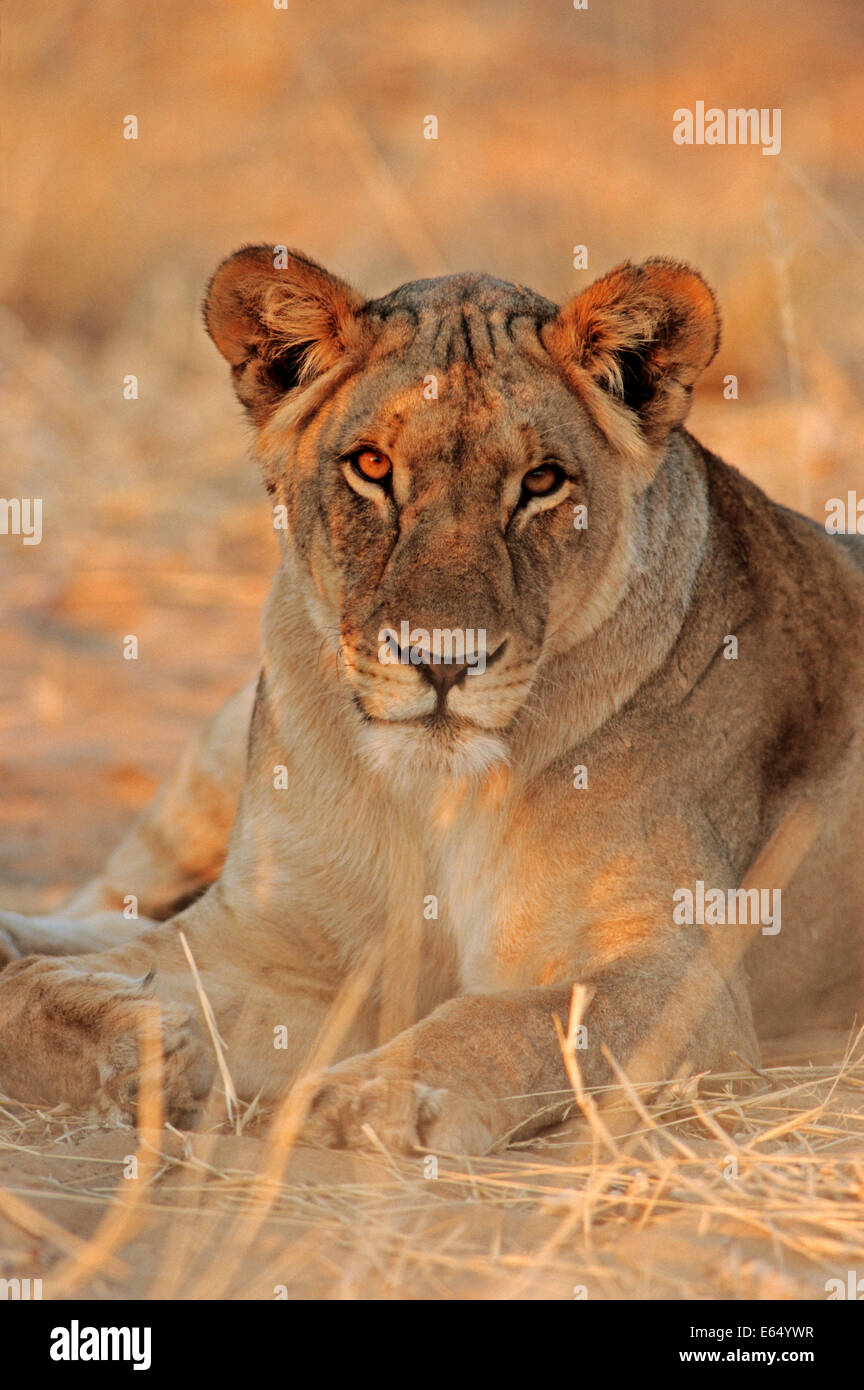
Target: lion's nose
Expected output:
[443,676]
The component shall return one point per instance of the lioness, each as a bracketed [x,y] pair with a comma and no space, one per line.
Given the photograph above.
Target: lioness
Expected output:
[672,672]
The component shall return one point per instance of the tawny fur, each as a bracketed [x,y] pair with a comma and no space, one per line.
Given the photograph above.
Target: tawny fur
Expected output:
[364,816]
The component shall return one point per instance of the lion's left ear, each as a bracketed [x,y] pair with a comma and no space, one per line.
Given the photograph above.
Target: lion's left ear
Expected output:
[641,336]
[279,319]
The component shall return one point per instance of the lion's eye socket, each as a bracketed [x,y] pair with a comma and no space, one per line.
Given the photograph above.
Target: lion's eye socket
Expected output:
[372,465]
[543,480]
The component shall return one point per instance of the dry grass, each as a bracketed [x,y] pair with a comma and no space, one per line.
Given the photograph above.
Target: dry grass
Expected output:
[306,126]
[743,1185]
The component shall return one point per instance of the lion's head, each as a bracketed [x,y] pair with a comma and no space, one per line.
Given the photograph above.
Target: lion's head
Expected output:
[458,464]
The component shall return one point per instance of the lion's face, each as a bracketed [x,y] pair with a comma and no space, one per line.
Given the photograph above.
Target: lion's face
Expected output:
[458,465]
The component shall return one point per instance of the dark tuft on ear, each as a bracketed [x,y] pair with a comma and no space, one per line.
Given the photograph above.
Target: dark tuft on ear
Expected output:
[279,319]
[641,335]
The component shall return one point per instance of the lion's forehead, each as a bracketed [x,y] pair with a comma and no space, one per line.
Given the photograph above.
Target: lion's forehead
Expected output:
[462,371]
[470,321]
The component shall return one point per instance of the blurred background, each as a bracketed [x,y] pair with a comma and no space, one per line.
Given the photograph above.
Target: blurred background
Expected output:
[305,125]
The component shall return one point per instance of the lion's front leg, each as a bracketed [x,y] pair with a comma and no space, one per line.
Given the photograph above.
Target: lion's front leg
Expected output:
[458,1081]
[70,1027]
[483,1066]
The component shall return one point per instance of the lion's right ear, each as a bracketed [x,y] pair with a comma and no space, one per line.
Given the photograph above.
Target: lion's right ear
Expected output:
[279,319]
[633,344]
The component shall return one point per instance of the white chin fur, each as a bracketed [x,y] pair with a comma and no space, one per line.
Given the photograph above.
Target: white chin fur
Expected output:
[402,752]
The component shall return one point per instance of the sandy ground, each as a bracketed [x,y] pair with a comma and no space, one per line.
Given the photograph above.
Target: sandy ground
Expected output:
[752,1191]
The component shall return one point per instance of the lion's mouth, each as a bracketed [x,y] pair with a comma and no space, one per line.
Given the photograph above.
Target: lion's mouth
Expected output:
[439,724]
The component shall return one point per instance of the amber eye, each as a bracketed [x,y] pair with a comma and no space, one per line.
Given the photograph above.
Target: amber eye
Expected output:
[543,480]
[372,465]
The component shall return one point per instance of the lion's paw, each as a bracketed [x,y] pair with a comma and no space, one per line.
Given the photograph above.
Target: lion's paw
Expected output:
[70,1034]
[354,1110]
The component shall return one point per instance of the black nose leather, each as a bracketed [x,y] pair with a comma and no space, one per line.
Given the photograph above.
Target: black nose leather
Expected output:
[442,676]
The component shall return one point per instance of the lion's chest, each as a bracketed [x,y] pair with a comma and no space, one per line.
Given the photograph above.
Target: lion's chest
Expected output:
[472,887]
